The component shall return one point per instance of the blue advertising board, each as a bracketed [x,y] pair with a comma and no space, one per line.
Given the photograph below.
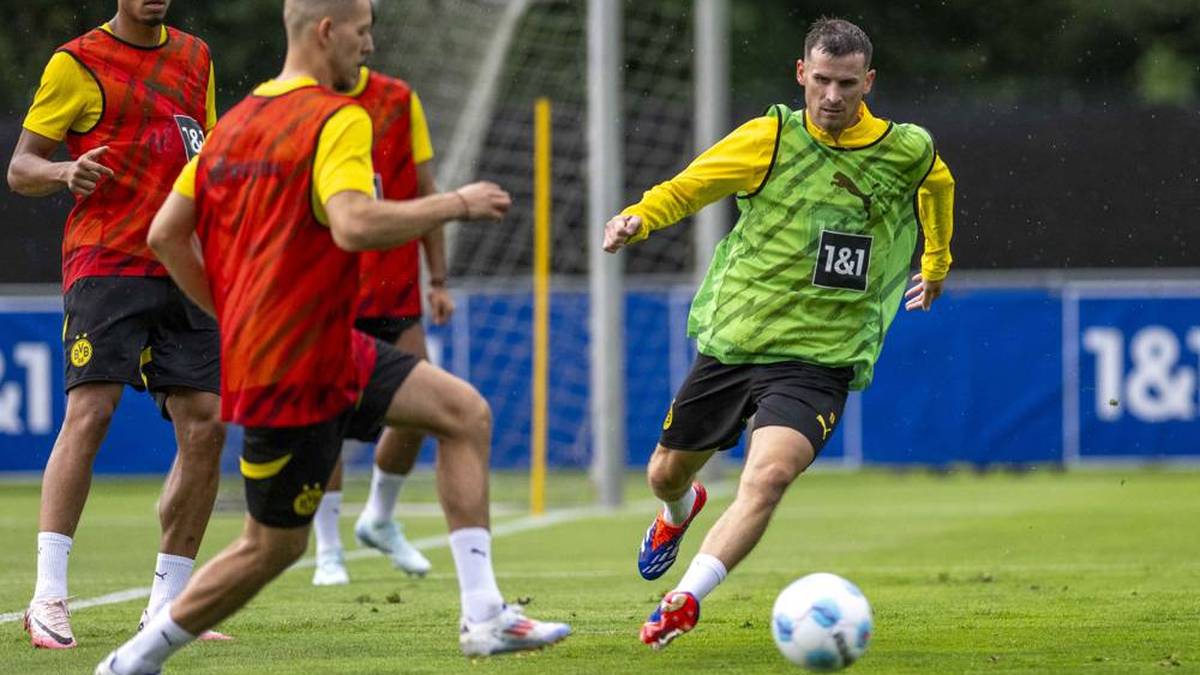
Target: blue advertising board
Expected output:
[1081,373]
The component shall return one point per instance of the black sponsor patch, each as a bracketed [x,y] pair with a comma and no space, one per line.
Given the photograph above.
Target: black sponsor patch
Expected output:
[843,261]
[193,135]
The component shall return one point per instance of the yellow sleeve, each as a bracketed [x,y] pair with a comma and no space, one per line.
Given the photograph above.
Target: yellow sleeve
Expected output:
[935,202]
[210,100]
[68,98]
[422,146]
[737,163]
[185,182]
[343,160]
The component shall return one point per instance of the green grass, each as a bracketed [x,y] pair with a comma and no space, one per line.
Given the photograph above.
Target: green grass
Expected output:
[1095,572]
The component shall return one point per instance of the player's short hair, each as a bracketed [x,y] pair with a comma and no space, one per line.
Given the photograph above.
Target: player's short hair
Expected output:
[297,14]
[837,37]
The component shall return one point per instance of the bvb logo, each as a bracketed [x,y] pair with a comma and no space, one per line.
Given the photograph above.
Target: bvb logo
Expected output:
[308,500]
[81,351]
[670,416]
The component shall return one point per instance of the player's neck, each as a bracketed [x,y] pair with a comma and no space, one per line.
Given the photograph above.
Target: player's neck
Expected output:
[134,32]
[297,65]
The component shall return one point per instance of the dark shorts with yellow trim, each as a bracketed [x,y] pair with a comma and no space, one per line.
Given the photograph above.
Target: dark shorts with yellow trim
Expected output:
[140,331]
[715,401]
[286,468]
[386,328]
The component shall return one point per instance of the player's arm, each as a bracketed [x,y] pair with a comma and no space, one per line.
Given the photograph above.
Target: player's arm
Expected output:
[737,163]
[935,205]
[360,223]
[173,239]
[344,186]
[68,98]
[32,173]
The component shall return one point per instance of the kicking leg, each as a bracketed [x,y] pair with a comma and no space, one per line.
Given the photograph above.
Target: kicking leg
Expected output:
[453,411]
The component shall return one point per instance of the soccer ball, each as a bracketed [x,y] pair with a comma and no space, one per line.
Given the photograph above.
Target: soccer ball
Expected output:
[821,622]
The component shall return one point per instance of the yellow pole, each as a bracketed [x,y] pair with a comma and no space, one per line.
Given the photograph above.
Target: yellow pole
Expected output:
[541,304]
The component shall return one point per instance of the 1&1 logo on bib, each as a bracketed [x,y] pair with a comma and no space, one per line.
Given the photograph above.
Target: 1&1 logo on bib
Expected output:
[843,261]
[193,135]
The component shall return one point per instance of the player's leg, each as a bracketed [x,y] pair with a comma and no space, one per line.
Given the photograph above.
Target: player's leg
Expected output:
[65,485]
[103,334]
[285,471]
[395,455]
[181,368]
[459,418]
[797,407]
[330,569]
[708,414]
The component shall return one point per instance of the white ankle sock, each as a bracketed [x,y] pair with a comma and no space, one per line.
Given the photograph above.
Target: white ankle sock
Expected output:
[381,500]
[53,551]
[472,551]
[325,523]
[678,511]
[146,651]
[171,574]
[702,575]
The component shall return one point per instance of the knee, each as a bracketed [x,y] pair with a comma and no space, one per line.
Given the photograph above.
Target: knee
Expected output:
[766,484]
[471,414]
[276,555]
[91,415]
[199,432]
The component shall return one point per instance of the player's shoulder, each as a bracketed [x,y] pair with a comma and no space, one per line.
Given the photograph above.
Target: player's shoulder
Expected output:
[184,37]
[388,83]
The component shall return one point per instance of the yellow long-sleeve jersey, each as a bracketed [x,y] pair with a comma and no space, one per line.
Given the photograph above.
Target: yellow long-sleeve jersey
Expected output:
[738,164]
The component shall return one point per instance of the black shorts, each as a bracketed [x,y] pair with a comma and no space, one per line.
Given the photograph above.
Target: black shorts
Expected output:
[286,468]
[711,408]
[386,328]
[140,331]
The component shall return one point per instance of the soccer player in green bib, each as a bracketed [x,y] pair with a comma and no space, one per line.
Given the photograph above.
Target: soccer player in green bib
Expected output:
[793,310]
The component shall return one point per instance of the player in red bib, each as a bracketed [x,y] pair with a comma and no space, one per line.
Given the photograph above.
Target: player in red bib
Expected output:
[281,202]
[132,101]
[389,309]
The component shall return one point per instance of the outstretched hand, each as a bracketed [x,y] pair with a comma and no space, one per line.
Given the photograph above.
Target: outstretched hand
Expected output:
[923,294]
[618,231]
[85,172]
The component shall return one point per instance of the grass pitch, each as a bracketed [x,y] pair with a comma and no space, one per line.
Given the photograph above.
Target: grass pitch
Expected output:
[1092,572]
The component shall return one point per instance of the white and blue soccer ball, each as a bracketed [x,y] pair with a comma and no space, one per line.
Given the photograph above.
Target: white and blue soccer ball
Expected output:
[822,622]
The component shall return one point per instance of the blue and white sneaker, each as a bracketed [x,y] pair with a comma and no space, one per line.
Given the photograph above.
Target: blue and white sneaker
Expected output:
[509,631]
[660,546]
[388,537]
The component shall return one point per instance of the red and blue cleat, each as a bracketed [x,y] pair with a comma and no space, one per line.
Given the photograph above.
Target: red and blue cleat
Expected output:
[661,543]
[675,615]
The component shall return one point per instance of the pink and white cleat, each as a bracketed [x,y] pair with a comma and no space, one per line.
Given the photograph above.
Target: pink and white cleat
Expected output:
[48,623]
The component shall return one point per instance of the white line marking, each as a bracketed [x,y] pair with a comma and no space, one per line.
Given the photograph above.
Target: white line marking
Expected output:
[524,524]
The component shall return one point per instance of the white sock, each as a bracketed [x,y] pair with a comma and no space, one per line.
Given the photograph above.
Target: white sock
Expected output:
[472,551]
[702,576]
[381,500]
[678,511]
[53,551]
[171,574]
[325,523]
[150,647]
